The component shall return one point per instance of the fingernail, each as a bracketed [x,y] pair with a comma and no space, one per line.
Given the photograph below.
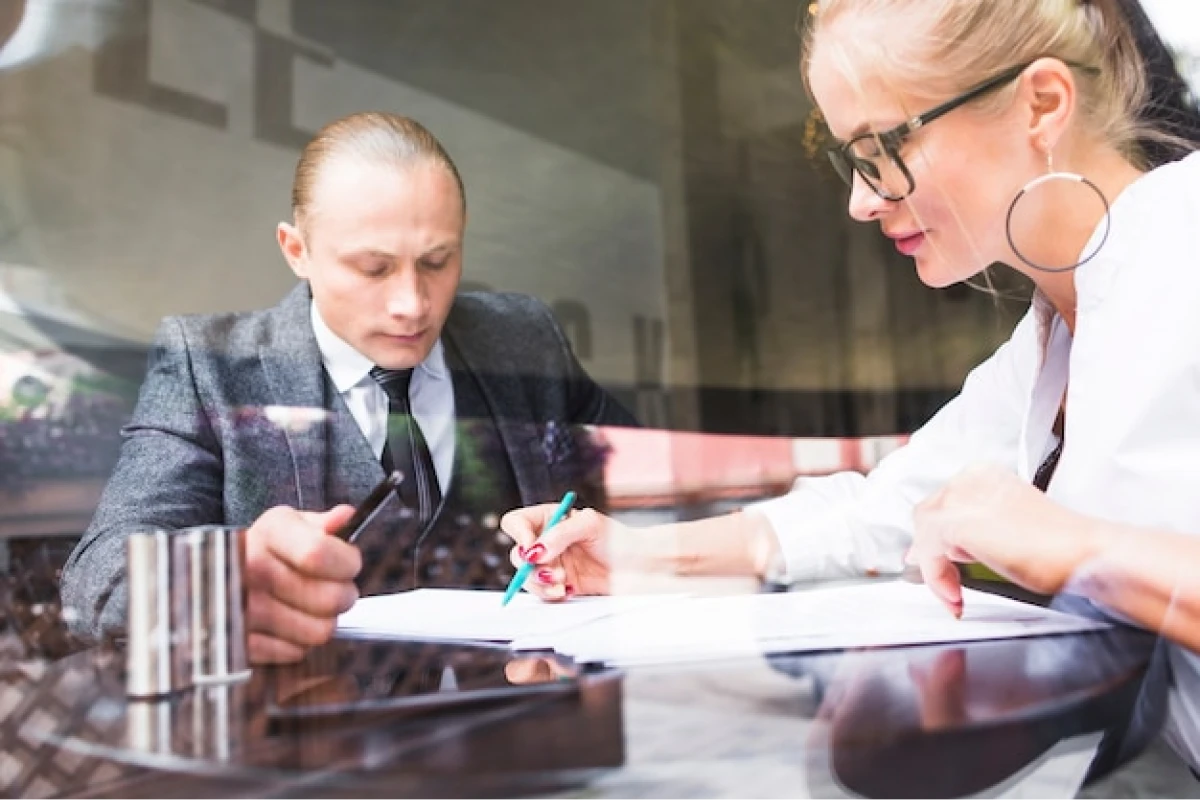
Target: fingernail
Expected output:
[534,554]
[545,576]
[521,552]
[570,590]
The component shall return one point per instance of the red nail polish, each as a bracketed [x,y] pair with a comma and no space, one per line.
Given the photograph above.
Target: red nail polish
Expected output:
[534,554]
[570,590]
[521,552]
[545,576]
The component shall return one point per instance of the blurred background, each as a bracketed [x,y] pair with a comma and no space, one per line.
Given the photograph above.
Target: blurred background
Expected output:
[649,168]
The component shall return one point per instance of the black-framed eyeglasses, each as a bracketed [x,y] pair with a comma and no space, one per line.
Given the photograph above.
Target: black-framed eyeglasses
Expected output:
[876,156]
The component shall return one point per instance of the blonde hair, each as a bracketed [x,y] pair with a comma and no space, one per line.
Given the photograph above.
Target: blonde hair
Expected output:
[965,42]
[376,136]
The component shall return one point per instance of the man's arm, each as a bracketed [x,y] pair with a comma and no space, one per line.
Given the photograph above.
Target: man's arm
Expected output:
[169,476]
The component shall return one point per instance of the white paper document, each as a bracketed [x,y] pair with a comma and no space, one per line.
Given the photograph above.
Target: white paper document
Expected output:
[873,615]
[472,615]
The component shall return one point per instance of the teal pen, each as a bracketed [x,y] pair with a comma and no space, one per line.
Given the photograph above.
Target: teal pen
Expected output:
[518,580]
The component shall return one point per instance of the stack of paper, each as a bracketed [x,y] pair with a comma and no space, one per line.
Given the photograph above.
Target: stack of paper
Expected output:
[873,615]
[647,629]
[465,615]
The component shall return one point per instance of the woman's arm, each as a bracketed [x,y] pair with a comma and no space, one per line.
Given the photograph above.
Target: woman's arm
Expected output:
[835,526]
[1149,576]
[589,553]
[991,516]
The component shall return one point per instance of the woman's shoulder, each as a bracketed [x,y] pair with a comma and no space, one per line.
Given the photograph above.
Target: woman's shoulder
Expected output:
[1180,179]
[1153,237]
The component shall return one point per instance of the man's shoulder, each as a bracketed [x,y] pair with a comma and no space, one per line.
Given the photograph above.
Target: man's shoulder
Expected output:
[504,313]
[234,331]
[221,333]
[506,328]
[509,306]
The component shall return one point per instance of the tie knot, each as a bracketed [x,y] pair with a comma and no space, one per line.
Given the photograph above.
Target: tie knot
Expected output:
[393,381]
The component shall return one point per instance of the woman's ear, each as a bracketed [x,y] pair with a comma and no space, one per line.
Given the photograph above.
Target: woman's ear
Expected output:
[291,244]
[1050,93]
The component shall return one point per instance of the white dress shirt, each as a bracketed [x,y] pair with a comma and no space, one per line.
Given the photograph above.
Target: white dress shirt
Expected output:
[431,395]
[1132,450]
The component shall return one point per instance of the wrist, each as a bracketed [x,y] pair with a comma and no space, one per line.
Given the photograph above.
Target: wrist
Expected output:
[740,544]
[767,557]
[1091,541]
[648,551]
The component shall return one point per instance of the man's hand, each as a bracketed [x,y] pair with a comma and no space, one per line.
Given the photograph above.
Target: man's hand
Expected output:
[299,578]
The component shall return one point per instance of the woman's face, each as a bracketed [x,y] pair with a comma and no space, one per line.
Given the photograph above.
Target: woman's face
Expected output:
[965,166]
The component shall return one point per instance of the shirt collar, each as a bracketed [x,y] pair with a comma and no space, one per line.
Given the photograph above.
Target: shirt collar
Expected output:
[347,367]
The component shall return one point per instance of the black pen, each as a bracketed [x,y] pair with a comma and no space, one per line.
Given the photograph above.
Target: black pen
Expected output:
[368,508]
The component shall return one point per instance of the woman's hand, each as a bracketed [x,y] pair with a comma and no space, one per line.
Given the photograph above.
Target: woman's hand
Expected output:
[574,557]
[989,515]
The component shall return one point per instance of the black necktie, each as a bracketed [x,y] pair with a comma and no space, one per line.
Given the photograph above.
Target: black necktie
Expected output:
[1041,478]
[406,449]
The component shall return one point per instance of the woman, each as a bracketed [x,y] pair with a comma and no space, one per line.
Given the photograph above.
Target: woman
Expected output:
[995,132]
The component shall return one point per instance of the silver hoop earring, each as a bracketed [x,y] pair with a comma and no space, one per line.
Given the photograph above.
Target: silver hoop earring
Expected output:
[1051,175]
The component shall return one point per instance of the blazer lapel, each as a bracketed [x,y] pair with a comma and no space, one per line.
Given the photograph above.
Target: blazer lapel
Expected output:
[292,365]
[353,468]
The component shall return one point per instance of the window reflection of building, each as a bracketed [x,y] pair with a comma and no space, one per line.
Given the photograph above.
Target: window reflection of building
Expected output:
[647,168]
[678,198]
[62,402]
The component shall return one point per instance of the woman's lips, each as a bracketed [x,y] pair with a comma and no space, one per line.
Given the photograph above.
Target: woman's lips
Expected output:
[909,245]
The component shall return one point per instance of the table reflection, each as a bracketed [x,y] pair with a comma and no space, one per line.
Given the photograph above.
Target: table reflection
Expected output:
[355,712]
[954,720]
[425,718]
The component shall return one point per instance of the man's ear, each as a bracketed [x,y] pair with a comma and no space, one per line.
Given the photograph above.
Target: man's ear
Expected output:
[292,245]
[1051,95]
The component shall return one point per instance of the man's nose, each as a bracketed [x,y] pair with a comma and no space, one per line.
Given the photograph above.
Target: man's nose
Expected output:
[406,296]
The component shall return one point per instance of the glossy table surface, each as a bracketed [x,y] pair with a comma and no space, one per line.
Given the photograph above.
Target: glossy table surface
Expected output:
[923,721]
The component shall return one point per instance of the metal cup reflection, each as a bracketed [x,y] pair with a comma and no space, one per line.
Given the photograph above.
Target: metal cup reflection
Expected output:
[218,721]
[150,726]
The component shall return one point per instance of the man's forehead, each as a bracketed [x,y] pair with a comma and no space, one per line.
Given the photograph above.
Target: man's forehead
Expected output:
[361,198]
[349,174]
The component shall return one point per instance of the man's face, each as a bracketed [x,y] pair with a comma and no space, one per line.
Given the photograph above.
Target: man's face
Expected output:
[381,248]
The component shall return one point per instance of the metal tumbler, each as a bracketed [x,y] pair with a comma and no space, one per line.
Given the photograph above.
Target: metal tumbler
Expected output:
[218,604]
[158,658]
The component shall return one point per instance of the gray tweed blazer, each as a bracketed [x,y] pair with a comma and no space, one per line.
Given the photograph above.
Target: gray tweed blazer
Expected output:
[206,443]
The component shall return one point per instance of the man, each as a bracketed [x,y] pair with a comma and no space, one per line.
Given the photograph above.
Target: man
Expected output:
[373,333]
